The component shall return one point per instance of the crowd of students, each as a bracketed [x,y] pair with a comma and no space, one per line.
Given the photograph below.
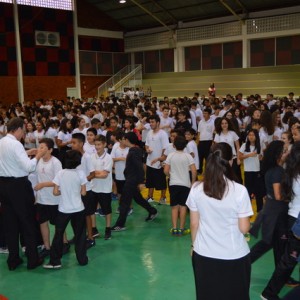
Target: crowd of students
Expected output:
[109,148]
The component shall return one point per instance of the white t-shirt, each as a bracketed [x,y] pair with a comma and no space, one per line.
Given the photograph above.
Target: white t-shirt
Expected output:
[218,235]
[180,163]
[119,165]
[251,164]
[87,120]
[2,129]
[192,148]
[166,122]
[157,142]
[265,139]
[230,137]
[88,148]
[102,163]
[46,172]
[87,167]
[29,136]
[294,205]
[38,136]
[52,134]
[64,137]
[70,182]
[206,129]
[77,130]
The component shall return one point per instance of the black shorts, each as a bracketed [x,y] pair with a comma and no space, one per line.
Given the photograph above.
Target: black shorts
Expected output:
[120,185]
[46,213]
[104,199]
[155,178]
[89,203]
[178,195]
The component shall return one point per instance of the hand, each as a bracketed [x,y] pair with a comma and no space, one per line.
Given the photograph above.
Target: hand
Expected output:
[38,187]
[141,186]
[154,161]
[149,151]
[40,153]
[32,151]
[192,250]
[252,154]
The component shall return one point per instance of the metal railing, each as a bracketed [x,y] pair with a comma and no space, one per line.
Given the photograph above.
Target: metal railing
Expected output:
[128,77]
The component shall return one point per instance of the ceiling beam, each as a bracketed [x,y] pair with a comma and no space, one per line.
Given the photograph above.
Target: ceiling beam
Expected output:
[152,15]
[231,10]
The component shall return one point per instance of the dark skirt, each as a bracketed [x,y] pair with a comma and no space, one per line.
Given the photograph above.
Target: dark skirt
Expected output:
[217,279]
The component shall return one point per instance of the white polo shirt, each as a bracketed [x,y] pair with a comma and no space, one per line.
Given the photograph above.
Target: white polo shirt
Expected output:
[102,163]
[206,129]
[251,164]
[192,148]
[70,182]
[51,133]
[88,148]
[119,165]
[230,138]
[218,234]
[87,167]
[46,172]
[64,137]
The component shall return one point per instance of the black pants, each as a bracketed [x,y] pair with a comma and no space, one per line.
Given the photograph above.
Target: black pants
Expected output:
[203,152]
[285,266]
[79,227]
[19,216]
[2,235]
[278,244]
[253,183]
[232,276]
[237,170]
[131,191]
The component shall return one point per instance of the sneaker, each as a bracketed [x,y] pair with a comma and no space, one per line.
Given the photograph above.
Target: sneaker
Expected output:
[44,253]
[107,235]
[100,213]
[114,196]
[185,231]
[174,231]
[130,212]
[66,248]
[95,232]
[162,201]
[291,282]
[118,210]
[151,216]
[118,228]
[51,266]
[90,243]
[150,199]
[265,297]
[4,250]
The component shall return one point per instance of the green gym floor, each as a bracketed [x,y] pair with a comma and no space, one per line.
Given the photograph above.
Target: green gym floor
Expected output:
[143,263]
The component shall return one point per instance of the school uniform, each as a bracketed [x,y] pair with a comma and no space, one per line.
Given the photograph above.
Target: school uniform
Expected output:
[221,253]
[17,200]
[70,208]
[102,187]
[64,137]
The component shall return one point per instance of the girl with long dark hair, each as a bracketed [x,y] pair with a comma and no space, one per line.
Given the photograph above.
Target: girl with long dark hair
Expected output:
[290,190]
[219,212]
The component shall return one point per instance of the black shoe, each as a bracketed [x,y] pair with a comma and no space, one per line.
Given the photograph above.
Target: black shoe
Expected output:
[107,235]
[13,266]
[44,253]
[291,282]
[66,248]
[38,263]
[90,243]
[95,232]
[152,216]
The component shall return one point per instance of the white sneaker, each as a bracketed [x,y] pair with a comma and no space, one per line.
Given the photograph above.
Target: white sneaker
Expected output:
[150,199]
[263,298]
[130,212]
[4,250]
[50,266]
[163,201]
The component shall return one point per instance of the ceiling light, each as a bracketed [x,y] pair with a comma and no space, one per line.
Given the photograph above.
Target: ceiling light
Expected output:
[122,1]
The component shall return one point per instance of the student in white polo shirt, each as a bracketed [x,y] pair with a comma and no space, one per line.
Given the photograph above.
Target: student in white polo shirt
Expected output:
[102,183]
[206,129]
[70,183]
[46,202]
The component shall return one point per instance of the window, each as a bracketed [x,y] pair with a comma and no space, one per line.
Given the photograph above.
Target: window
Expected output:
[56,4]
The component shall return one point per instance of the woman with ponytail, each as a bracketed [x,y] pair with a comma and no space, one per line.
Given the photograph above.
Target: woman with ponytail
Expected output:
[219,212]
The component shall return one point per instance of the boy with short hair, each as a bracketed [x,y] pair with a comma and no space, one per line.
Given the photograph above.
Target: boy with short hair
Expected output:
[86,166]
[70,184]
[46,202]
[177,167]
[102,182]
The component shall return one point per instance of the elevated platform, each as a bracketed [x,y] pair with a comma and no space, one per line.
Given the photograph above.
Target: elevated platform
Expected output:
[277,80]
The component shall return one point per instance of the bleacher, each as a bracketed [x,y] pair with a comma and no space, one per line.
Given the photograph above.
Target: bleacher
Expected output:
[277,80]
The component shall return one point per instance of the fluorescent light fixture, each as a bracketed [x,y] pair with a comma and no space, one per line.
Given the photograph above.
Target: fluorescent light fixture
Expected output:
[122,1]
